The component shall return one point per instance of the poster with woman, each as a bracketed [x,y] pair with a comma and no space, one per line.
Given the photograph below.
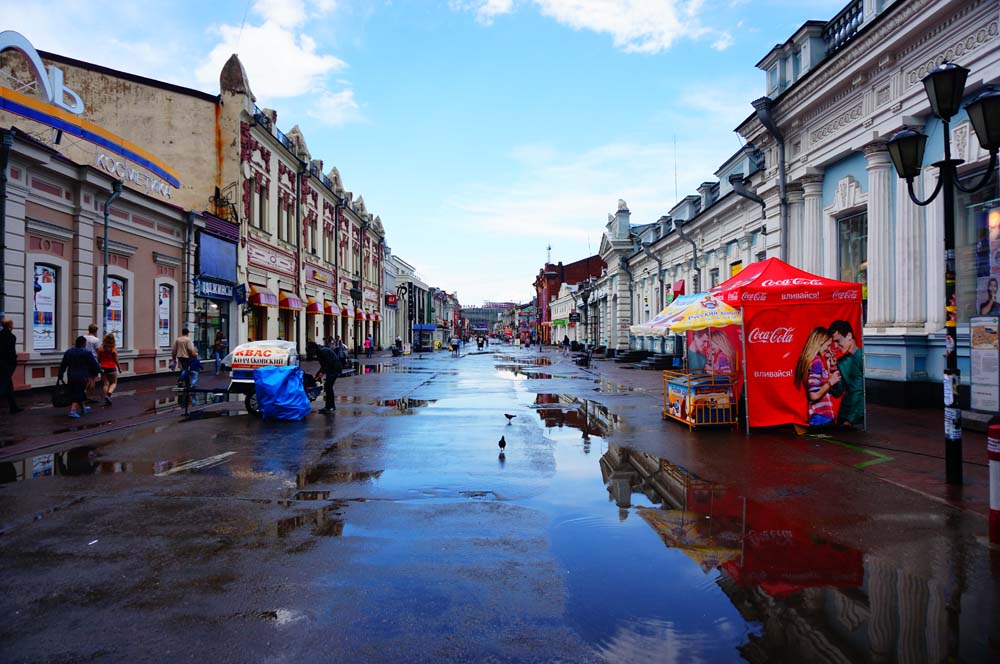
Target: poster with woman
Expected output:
[44,320]
[114,320]
[163,318]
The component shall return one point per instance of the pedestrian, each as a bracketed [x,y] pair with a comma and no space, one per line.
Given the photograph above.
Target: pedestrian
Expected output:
[851,388]
[8,363]
[79,366]
[107,360]
[182,352]
[330,366]
[93,343]
[369,346]
[565,344]
[219,351]
[195,367]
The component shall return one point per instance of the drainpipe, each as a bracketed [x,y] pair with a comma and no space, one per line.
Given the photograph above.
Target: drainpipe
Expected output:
[763,107]
[631,296]
[188,270]
[298,240]
[8,143]
[694,249]
[116,191]
[659,275]
[740,187]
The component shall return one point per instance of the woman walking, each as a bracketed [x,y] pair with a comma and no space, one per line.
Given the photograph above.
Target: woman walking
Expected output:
[79,366]
[107,358]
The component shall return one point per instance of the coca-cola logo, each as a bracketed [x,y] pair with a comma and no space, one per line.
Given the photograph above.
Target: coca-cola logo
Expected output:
[754,297]
[797,281]
[844,295]
[779,335]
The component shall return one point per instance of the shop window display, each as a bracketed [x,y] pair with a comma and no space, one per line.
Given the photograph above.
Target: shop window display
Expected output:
[852,252]
[44,318]
[977,254]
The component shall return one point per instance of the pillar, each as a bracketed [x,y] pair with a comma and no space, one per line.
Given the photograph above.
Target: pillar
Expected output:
[934,241]
[812,224]
[911,261]
[796,228]
[881,235]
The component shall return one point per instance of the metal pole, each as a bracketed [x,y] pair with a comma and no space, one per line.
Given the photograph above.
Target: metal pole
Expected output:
[952,374]
[116,191]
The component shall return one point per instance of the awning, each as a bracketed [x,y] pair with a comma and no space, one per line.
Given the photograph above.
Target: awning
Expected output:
[312,306]
[330,309]
[678,287]
[346,313]
[376,317]
[261,297]
[289,301]
[360,314]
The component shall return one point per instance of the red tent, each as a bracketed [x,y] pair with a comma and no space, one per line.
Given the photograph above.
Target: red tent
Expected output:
[782,305]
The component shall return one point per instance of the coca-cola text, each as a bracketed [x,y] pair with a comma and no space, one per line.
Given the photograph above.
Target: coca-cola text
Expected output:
[779,335]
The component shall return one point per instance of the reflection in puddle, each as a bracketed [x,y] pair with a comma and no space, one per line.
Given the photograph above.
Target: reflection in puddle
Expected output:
[325,522]
[86,460]
[404,404]
[524,361]
[563,410]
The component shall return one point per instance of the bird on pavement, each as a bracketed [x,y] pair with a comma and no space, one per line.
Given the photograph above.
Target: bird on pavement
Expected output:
[502,443]
[509,417]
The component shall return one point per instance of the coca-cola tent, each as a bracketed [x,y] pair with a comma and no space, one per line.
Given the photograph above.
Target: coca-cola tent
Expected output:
[785,311]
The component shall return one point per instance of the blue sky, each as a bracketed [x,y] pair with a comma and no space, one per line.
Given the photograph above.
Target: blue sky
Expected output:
[480,131]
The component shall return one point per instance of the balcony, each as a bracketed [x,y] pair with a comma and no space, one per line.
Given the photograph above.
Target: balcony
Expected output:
[842,28]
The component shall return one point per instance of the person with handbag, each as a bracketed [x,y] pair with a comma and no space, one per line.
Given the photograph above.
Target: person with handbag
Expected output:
[8,362]
[79,366]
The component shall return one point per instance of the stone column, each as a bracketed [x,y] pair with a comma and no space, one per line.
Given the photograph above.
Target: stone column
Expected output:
[86,293]
[796,237]
[934,237]
[881,261]
[14,260]
[911,261]
[812,224]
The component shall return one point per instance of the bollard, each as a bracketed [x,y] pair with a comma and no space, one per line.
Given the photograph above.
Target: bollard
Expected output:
[993,455]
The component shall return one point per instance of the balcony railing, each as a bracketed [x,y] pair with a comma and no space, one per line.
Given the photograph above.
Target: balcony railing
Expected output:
[842,28]
[260,117]
[287,142]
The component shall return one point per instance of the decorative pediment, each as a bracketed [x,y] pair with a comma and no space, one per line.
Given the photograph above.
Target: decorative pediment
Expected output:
[848,196]
[377,226]
[295,135]
[338,184]
[359,206]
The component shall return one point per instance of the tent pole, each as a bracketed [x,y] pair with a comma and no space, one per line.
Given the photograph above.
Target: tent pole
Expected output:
[746,376]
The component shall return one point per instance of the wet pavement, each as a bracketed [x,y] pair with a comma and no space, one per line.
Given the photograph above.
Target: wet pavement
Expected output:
[396,530]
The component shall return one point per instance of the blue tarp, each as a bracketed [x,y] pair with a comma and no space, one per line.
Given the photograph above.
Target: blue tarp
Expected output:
[280,394]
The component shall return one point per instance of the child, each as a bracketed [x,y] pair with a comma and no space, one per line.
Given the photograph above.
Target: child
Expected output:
[194,368]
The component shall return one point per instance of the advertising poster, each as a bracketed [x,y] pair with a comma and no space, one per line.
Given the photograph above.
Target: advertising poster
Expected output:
[114,323]
[985,363]
[805,365]
[44,321]
[163,326]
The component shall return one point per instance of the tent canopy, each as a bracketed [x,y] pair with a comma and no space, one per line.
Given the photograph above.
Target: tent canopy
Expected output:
[772,282]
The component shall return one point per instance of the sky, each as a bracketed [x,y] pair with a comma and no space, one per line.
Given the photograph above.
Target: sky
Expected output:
[480,131]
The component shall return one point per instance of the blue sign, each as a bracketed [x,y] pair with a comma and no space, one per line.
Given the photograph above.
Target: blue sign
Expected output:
[241,293]
[424,327]
[213,289]
[216,258]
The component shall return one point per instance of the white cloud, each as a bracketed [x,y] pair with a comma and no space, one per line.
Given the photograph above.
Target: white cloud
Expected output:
[336,108]
[638,26]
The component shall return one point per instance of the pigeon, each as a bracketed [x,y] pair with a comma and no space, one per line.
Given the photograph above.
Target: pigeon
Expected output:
[502,443]
[509,417]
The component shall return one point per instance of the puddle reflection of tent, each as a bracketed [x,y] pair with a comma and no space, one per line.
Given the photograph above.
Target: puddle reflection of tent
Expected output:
[703,540]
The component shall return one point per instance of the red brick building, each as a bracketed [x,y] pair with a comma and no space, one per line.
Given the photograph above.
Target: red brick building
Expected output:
[551,278]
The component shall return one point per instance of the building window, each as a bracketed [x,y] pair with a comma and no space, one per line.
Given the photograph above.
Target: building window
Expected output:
[114,317]
[977,252]
[713,277]
[760,256]
[45,317]
[262,209]
[796,65]
[852,250]
[164,301]
[772,78]
[313,241]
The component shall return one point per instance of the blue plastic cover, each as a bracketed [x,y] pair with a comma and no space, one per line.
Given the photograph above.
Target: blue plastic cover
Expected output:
[280,394]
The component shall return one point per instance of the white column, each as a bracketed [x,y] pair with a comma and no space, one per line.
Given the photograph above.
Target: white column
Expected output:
[882,632]
[934,236]
[881,261]
[912,594]
[812,225]
[911,261]
[796,238]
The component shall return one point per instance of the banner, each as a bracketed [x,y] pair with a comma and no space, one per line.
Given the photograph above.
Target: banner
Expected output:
[44,320]
[114,321]
[804,365]
[163,326]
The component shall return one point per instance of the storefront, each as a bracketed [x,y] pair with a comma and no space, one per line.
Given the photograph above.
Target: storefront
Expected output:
[213,285]
[259,302]
[290,307]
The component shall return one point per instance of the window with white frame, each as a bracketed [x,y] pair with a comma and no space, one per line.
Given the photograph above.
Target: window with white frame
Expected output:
[45,313]
[114,314]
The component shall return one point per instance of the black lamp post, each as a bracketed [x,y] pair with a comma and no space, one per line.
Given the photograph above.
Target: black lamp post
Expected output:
[945,86]
[402,291]
[356,299]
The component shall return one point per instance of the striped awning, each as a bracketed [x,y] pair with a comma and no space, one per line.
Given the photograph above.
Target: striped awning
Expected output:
[290,302]
[360,314]
[312,306]
[376,317]
[346,313]
[261,297]
[331,308]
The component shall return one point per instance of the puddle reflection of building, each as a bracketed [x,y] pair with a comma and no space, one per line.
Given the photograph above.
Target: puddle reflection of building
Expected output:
[589,417]
[818,600]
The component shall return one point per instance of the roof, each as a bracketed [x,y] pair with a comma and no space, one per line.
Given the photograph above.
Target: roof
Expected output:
[774,282]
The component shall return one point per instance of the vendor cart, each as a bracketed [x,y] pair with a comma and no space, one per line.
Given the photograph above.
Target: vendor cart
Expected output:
[698,399]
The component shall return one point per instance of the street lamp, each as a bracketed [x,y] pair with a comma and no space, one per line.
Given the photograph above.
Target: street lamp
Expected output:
[945,86]
[356,299]
[402,293]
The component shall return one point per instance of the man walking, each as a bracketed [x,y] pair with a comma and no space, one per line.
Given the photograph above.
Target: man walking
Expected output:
[8,362]
[182,352]
[330,367]
[852,376]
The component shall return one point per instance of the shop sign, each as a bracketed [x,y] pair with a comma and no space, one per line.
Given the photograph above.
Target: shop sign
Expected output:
[124,171]
[391,299]
[270,258]
[212,289]
[574,317]
[60,107]
[319,276]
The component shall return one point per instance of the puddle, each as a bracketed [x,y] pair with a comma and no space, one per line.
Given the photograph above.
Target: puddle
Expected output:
[562,410]
[523,360]
[324,522]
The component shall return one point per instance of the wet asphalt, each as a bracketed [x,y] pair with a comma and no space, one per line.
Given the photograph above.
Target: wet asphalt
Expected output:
[396,531]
